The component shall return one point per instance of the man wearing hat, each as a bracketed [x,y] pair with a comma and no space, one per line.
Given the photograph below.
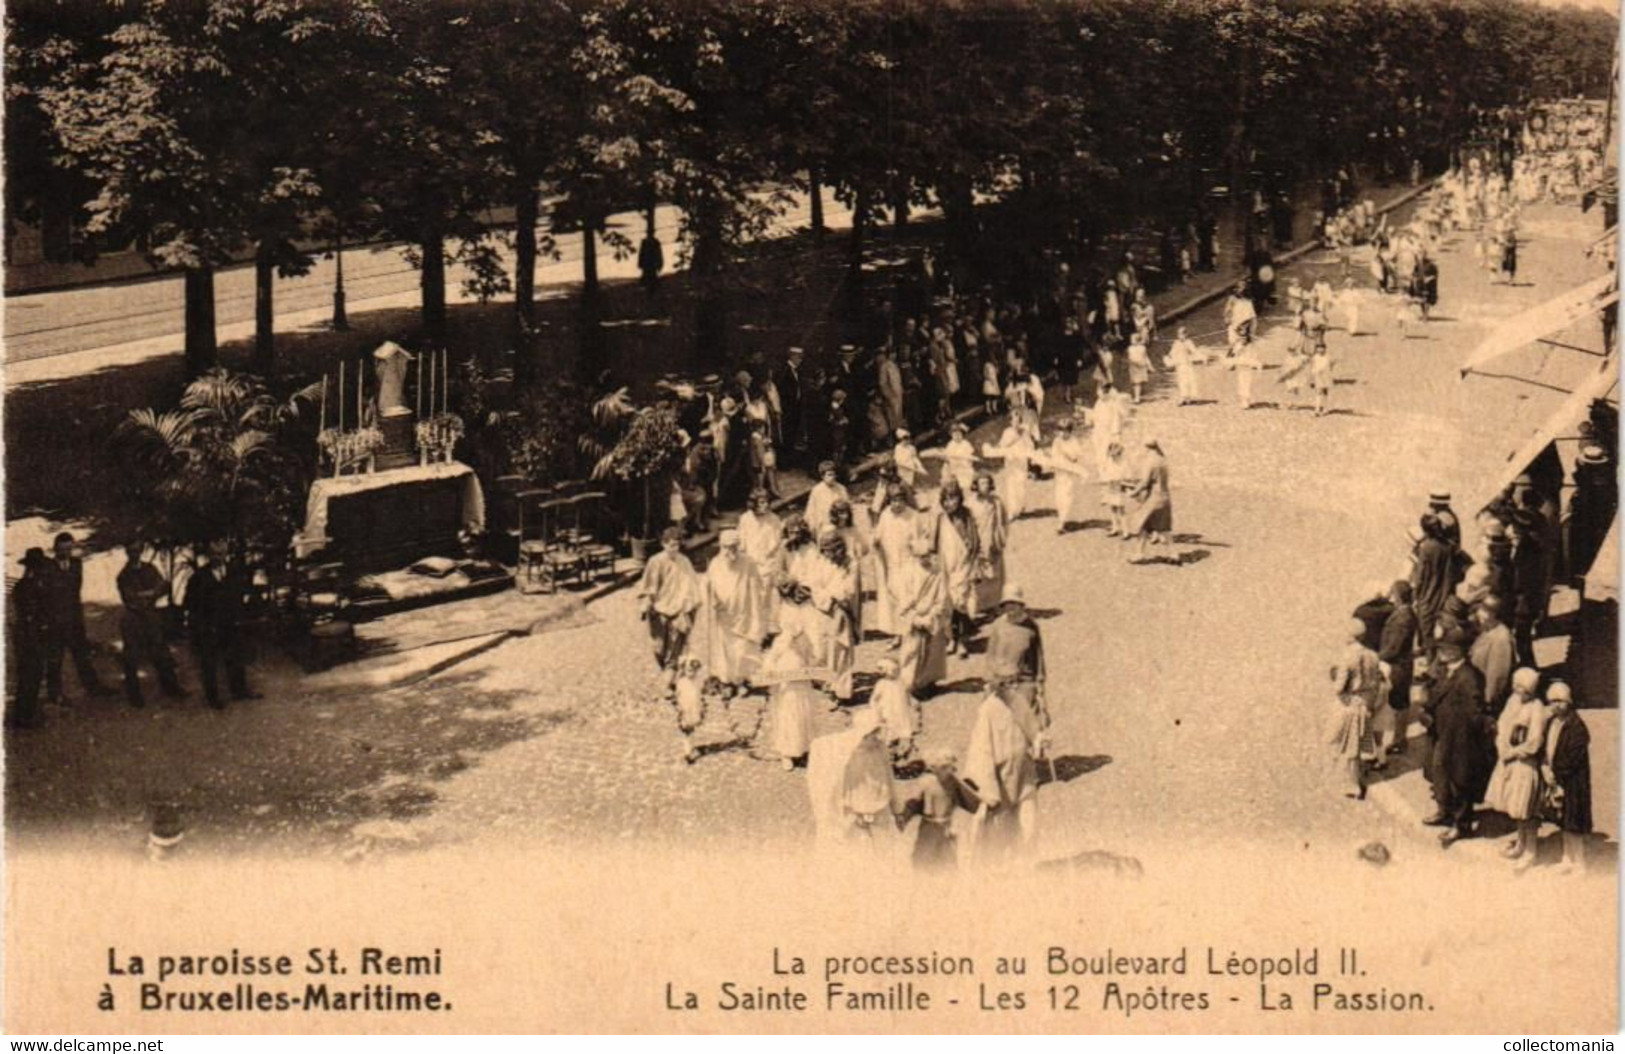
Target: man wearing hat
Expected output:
[1439,506]
[792,406]
[215,595]
[30,625]
[1015,663]
[668,597]
[1459,767]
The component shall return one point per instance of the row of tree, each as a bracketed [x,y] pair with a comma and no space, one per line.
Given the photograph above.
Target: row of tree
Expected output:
[205,129]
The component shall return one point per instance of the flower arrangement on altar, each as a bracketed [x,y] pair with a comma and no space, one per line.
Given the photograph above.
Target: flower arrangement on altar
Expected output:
[349,449]
[437,436]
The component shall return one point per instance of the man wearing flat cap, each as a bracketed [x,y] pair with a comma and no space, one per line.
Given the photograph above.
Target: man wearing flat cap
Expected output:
[1460,765]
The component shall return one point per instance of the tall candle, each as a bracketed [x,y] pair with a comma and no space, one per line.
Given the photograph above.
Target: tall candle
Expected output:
[420,386]
[341,396]
[432,373]
[322,425]
[360,384]
[445,380]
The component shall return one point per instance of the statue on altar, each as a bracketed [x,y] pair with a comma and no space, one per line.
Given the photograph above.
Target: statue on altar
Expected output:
[391,363]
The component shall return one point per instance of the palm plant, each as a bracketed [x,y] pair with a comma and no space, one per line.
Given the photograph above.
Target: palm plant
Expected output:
[223,466]
[634,445]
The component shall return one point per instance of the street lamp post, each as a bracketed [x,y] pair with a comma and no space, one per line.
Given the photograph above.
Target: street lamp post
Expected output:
[341,320]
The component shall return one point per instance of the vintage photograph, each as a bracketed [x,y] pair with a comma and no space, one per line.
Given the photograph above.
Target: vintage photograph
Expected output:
[548,515]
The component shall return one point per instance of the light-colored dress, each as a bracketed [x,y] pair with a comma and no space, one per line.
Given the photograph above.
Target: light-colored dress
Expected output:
[893,534]
[1520,736]
[1067,453]
[1182,356]
[960,462]
[990,536]
[735,618]
[1014,445]
[1155,509]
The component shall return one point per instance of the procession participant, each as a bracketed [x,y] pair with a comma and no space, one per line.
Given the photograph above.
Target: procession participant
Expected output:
[987,510]
[895,531]
[1493,654]
[29,608]
[895,708]
[1139,364]
[735,614]
[941,796]
[1107,420]
[1015,660]
[850,783]
[796,570]
[1296,364]
[1114,477]
[1357,682]
[761,536]
[1153,516]
[1001,773]
[139,587]
[823,496]
[1244,364]
[688,698]
[1014,446]
[1240,316]
[1397,650]
[1458,768]
[958,550]
[960,457]
[1568,768]
[668,595]
[65,609]
[859,554]
[833,582]
[1321,296]
[1320,376]
[921,596]
[1514,787]
[1349,301]
[1182,357]
[788,672]
[1066,458]
[910,469]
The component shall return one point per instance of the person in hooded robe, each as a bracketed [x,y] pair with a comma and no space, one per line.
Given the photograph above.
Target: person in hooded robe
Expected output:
[1107,419]
[943,803]
[894,532]
[789,672]
[920,593]
[987,510]
[958,549]
[734,614]
[897,710]
[849,779]
[832,579]
[1000,772]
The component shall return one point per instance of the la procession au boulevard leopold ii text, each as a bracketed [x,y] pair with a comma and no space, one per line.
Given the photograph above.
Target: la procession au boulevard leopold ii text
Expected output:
[1105,980]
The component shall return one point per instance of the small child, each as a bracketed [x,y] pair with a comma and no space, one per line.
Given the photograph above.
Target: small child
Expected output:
[1182,359]
[1320,371]
[1408,314]
[1245,364]
[907,459]
[896,709]
[1186,267]
[992,392]
[690,703]
[960,457]
[1112,475]
[1139,364]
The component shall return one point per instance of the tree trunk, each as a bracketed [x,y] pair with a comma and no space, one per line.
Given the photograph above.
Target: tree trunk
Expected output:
[433,282]
[202,353]
[860,222]
[589,255]
[815,191]
[264,315]
[899,203]
[526,217]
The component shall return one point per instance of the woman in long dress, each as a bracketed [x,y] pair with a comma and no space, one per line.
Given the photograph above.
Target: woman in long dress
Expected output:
[788,672]
[1066,456]
[991,532]
[859,555]
[1153,516]
[958,548]
[1357,681]
[833,583]
[1107,420]
[896,529]
[1014,446]
[1514,788]
[1182,360]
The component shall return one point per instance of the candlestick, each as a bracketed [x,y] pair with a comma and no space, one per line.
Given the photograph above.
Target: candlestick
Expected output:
[445,381]
[360,387]
[420,386]
[341,397]
[323,423]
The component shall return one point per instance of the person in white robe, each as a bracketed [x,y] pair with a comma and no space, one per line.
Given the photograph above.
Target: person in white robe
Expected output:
[1000,771]
[1066,459]
[910,469]
[789,672]
[1015,446]
[761,537]
[897,710]
[920,593]
[823,496]
[1182,358]
[896,529]
[833,583]
[1107,420]
[960,457]
[859,556]
[987,510]
[850,783]
[958,547]
[734,614]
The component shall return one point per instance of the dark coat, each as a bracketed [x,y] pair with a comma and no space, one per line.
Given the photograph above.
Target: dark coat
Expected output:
[63,587]
[793,389]
[1397,648]
[214,608]
[1375,614]
[1462,748]
[1571,764]
[29,603]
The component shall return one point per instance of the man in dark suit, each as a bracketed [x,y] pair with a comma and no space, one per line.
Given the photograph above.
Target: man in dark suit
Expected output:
[850,378]
[139,587]
[1397,648]
[64,588]
[215,596]
[792,407]
[1374,612]
[29,606]
[1459,768]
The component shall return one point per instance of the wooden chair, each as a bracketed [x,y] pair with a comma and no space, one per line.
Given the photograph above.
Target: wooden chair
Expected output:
[599,555]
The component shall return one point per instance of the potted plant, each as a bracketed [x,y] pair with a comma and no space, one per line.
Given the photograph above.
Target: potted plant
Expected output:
[648,449]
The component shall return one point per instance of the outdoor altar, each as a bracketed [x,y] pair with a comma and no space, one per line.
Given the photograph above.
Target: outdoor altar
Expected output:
[391,506]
